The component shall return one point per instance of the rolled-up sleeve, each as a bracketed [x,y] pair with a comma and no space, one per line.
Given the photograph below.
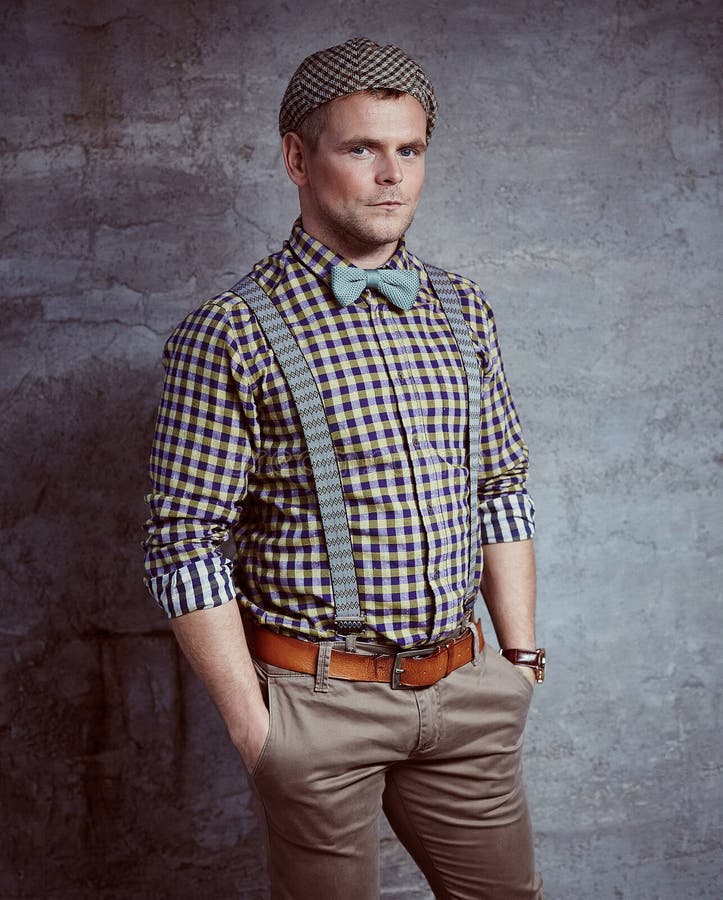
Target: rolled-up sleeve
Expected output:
[200,460]
[506,509]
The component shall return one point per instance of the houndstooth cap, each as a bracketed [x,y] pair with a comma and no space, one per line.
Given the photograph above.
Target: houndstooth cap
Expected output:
[357,65]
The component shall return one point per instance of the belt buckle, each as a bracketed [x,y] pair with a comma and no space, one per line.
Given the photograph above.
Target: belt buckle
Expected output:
[398,671]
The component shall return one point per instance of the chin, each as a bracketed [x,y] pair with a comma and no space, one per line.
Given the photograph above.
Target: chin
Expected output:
[385,232]
[370,230]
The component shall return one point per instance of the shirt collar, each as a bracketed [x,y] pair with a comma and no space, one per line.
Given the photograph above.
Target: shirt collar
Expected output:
[319,259]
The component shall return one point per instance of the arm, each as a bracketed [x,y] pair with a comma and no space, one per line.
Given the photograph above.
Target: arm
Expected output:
[506,510]
[508,587]
[202,453]
[214,643]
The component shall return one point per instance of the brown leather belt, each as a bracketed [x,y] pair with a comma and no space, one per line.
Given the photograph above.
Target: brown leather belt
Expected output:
[418,667]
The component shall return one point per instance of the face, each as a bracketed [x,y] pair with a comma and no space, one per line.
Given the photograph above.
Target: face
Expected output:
[360,186]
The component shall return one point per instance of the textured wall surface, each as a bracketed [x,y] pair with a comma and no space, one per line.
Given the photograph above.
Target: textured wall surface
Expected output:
[575,173]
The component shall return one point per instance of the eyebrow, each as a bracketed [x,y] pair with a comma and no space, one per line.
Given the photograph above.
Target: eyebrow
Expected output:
[414,144]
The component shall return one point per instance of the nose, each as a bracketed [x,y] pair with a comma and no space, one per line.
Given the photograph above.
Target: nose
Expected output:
[389,170]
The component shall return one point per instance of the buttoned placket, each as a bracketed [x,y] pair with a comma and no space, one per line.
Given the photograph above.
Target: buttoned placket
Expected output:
[402,370]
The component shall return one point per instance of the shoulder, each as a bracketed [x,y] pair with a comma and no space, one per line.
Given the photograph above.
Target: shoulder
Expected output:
[475,306]
[227,317]
[218,320]
[469,291]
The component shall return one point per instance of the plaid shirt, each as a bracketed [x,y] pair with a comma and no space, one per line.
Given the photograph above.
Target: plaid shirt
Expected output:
[229,455]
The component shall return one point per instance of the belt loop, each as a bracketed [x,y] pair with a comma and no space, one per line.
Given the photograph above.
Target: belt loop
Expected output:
[476,647]
[321,685]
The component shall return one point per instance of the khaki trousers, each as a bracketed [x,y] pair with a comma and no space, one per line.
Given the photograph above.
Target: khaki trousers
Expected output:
[443,762]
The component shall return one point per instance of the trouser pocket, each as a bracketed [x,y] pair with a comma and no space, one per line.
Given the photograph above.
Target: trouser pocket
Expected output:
[275,684]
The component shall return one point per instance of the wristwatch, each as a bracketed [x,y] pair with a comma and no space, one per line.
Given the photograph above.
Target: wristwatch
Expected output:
[535,659]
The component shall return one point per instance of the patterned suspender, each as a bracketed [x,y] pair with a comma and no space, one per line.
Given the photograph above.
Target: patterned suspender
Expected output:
[349,619]
[324,466]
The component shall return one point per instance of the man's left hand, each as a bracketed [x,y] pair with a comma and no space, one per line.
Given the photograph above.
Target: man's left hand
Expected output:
[529,672]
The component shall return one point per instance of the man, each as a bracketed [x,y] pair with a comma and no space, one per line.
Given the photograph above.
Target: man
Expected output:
[344,414]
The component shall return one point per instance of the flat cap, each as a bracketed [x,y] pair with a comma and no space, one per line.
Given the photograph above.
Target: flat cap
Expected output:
[357,65]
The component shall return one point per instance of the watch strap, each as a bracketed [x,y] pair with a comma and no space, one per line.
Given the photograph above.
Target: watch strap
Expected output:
[535,659]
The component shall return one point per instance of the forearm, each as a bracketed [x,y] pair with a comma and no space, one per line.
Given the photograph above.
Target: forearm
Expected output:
[508,587]
[214,643]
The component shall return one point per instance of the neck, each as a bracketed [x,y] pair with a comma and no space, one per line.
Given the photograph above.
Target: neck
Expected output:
[365,256]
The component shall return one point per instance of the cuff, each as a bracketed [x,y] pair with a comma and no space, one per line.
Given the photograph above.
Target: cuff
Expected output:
[198,585]
[507,518]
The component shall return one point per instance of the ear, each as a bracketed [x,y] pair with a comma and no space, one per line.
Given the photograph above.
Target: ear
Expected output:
[295,155]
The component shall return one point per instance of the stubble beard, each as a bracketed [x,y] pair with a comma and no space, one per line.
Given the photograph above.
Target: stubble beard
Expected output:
[367,231]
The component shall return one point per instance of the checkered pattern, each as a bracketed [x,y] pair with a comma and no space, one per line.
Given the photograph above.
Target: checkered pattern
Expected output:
[328,488]
[357,65]
[229,455]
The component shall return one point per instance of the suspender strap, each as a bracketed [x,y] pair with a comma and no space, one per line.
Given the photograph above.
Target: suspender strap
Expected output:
[449,299]
[327,480]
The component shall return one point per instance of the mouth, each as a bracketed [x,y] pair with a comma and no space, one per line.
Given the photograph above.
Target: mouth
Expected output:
[388,204]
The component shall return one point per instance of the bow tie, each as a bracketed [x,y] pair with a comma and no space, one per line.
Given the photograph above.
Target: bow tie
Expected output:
[399,286]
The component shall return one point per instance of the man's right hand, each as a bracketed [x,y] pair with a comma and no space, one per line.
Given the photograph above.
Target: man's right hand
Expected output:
[251,743]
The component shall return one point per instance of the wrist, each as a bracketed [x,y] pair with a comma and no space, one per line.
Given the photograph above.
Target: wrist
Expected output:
[532,660]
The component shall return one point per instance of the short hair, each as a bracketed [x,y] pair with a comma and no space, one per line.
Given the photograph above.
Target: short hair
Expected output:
[310,128]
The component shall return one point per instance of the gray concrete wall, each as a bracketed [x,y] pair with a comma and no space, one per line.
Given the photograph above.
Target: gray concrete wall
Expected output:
[575,173]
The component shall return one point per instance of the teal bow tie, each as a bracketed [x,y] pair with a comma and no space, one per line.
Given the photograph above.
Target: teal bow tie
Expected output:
[399,286]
